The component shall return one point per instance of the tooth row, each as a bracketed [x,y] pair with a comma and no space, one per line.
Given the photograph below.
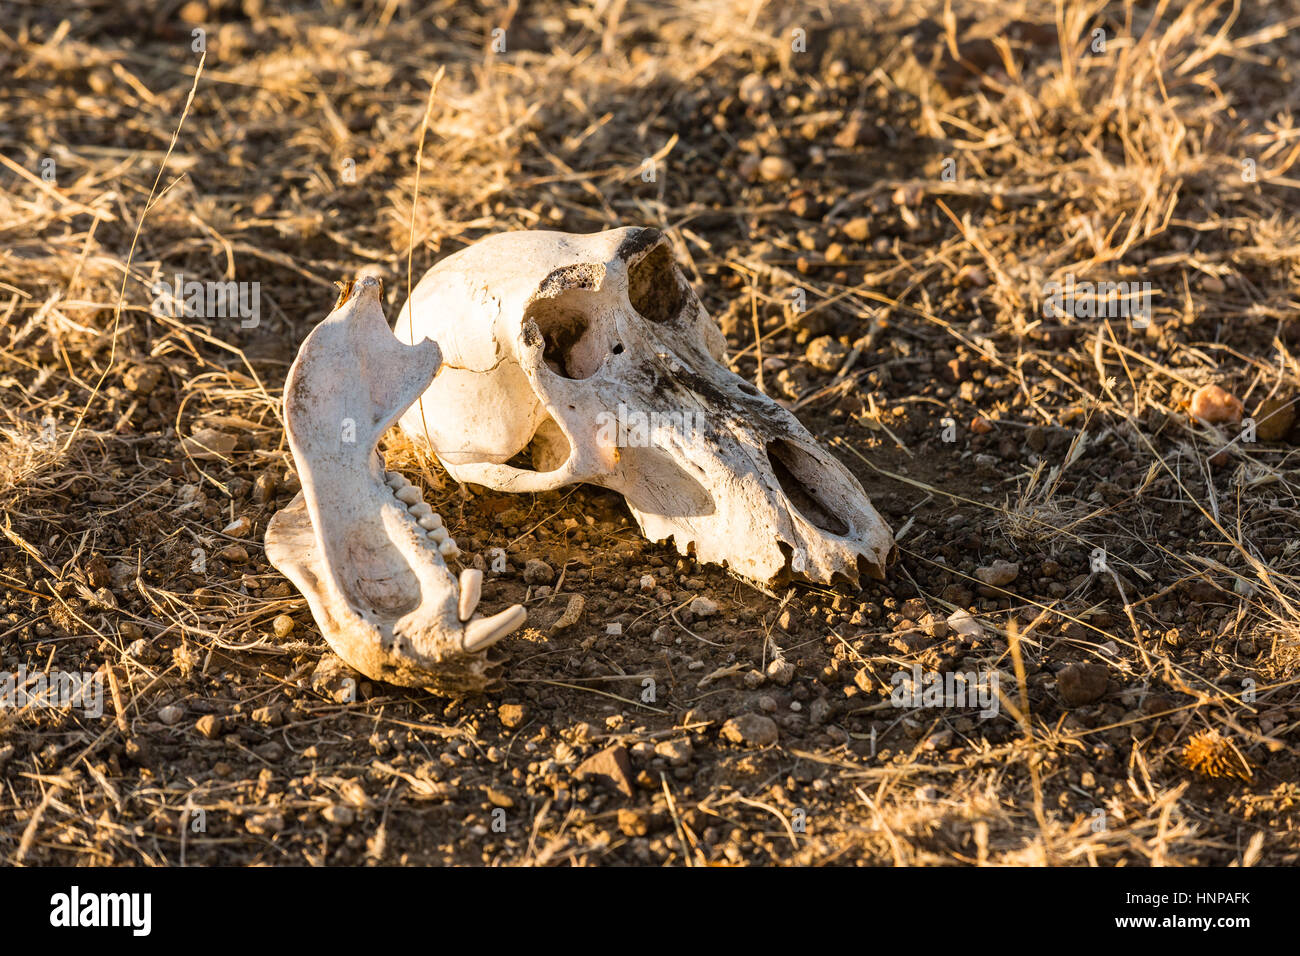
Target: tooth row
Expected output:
[424,516]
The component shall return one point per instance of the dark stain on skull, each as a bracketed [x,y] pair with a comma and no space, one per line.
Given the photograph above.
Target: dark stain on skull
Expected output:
[584,275]
[638,242]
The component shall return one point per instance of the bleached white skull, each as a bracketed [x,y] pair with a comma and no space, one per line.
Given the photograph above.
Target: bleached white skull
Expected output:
[593,354]
[359,543]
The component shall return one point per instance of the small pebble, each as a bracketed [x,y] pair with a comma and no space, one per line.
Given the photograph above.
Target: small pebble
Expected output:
[775,169]
[998,573]
[751,730]
[1215,406]
[538,572]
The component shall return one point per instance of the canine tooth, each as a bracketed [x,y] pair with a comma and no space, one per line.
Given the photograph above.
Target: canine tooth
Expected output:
[471,589]
[448,548]
[408,495]
[481,633]
[430,522]
[419,509]
[438,534]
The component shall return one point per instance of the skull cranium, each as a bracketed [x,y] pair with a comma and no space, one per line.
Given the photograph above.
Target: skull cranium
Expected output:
[593,354]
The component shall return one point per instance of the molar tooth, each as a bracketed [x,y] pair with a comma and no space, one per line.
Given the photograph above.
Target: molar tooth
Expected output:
[439,535]
[395,480]
[448,548]
[408,495]
[419,510]
[430,521]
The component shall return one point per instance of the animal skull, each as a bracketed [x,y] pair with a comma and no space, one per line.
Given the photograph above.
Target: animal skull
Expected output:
[592,353]
[359,544]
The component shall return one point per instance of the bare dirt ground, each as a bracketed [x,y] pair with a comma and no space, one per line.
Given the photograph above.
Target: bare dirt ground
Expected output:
[919,175]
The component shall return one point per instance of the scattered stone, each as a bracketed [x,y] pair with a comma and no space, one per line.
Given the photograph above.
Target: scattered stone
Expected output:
[826,353]
[703,607]
[1274,417]
[775,169]
[264,488]
[130,631]
[610,767]
[755,91]
[751,730]
[909,641]
[339,814]
[272,715]
[964,624]
[754,679]
[1215,406]
[208,444]
[97,572]
[334,679]
[537,571]
[270,750]
[499,798]
[210,726]
[238,528]
[138,750]
[263,824]
[677,752]
[935,627]
[939,740]
[512,716]
[858,230]
[780,671]
[633,823]
[981,425]
[142,379]
[1082,683]
[998,573]
[234,553]
[170,714]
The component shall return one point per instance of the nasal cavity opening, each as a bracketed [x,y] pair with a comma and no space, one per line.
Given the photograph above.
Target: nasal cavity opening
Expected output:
[801,477]
[652,285]
[571,346]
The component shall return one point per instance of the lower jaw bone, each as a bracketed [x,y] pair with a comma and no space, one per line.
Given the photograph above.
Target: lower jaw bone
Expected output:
[366,552]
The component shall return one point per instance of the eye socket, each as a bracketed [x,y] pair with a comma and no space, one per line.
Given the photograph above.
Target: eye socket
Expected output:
[653,287]
[572,348]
